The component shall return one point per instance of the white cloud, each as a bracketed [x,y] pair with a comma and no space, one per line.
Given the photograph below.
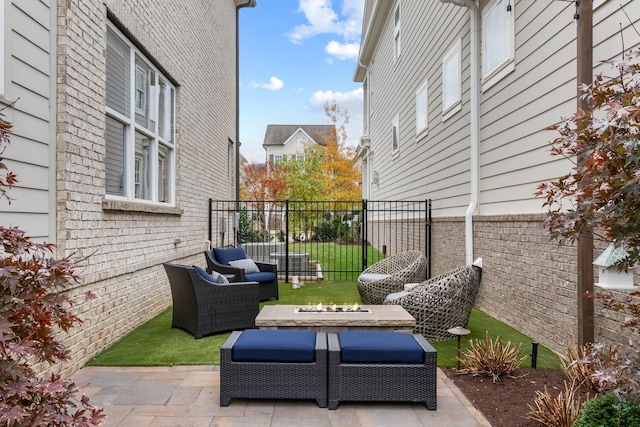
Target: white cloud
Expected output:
[342,50]
[321,96]
[323,19]
[274,84]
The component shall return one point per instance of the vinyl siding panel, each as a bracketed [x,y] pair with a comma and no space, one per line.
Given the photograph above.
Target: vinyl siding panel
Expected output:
[437,164]
[28,65]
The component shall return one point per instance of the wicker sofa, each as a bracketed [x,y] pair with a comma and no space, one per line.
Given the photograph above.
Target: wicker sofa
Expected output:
[390,275]
[442,302]
[203,307]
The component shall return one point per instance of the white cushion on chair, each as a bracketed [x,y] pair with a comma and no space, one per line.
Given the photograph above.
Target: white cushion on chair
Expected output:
[372,277]
[246,264]
[396,295]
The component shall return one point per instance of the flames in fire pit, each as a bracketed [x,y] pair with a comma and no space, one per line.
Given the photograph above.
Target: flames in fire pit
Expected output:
[319,308]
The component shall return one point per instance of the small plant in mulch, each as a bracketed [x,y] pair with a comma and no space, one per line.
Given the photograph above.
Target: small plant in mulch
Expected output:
[492,358]
[608,410]
[556,411]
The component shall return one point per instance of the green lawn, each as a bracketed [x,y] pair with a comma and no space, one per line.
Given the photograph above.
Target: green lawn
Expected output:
[155,343]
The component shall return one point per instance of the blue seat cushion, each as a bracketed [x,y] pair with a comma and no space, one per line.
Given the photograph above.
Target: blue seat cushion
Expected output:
[223,256]
[214,277]
[379,347]
[273,345]
[262,277]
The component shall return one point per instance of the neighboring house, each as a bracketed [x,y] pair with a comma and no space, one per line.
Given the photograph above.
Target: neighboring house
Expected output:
[124,125]
[423,65]
[289,141]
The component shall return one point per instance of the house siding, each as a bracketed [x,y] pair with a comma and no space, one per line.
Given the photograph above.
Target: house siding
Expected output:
[29,66]
[522,266]
[58,70]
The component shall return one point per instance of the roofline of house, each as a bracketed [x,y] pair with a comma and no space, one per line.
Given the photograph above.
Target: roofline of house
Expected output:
[370,37]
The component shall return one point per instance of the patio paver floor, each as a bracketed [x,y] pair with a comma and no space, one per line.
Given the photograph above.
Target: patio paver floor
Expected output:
[190,396]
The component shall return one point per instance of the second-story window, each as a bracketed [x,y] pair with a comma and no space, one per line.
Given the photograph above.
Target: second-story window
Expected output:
[451,81]
[498,42]
[397,42]
[422,108]
[395,134]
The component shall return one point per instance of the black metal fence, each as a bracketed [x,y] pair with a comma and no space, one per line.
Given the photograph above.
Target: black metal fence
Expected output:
[321,240]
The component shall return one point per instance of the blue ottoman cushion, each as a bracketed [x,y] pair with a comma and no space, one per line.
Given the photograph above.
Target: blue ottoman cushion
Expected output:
[379,347]
[272,345]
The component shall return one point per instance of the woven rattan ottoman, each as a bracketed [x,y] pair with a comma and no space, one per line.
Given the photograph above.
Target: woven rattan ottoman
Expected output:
[375,379]
[276,372]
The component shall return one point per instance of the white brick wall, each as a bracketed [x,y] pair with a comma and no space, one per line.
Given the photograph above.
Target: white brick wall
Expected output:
[124,249]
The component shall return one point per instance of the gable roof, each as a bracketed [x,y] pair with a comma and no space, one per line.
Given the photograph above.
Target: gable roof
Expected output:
[280,134]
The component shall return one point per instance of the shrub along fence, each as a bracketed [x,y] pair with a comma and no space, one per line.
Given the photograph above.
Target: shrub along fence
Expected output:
[321,240]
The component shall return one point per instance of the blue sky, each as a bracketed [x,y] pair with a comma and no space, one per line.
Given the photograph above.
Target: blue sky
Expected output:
[294,56]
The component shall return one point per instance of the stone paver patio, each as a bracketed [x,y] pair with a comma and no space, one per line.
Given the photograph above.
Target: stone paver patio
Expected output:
[189,396]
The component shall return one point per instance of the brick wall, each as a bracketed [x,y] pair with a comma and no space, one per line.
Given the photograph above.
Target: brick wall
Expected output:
[528,281]
[124,244]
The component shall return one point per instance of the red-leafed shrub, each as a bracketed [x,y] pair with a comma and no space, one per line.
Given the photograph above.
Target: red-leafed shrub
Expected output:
[33,306]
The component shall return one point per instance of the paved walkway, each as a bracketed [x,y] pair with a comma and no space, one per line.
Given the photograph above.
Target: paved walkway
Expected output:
[190,396]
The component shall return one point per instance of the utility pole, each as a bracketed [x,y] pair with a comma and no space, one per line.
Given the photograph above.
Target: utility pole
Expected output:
[584,41]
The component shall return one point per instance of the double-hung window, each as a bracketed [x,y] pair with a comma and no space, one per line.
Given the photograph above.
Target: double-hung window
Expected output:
[452,81]
[140,136]
[498,42]
[422,108]
[397,45]
[395,134]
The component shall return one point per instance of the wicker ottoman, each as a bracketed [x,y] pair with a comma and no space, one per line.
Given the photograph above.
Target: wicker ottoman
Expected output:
[381,366]
[274,364]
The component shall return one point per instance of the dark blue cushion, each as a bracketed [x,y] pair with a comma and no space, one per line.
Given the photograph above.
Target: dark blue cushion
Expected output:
[231,254]
[214,277]
[379,347]
[262,277]
[274,345]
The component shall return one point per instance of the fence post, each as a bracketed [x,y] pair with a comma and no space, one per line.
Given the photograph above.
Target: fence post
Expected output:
[364,234]
[210,221]
[286,241]
[428,236]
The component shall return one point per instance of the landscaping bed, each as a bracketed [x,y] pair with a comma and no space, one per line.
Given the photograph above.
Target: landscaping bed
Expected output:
[505,402]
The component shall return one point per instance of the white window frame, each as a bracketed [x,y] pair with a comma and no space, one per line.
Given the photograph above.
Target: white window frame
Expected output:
[495,71]
[422,109]
[131,179]
[397,35]
[277,158]
[395,135]
[452,80]
[370,89]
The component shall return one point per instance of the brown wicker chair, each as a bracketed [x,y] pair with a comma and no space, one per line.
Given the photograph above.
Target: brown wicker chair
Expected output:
[203,307]
[390,275]
[442,302]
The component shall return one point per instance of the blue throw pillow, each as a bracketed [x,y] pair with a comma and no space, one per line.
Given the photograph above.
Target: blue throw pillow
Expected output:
[214,277]
[231,254]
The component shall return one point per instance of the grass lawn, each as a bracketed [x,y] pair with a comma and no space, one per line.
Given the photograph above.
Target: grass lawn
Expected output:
[155,343]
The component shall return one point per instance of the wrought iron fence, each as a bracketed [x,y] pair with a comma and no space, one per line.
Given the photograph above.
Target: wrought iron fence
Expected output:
[321,240]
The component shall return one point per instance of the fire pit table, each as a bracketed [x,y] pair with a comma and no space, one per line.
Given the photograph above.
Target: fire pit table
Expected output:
[336,318]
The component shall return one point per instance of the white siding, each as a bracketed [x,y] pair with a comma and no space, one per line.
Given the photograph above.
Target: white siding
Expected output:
[29,63]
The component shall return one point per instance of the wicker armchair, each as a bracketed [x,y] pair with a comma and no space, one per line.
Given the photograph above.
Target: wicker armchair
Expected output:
[443,302]
[390,275]
[267,277]
[203,307]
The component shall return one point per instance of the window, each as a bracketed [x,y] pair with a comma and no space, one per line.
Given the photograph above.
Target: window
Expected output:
[395,134]
[498,44]
[277,158]
[140,109]
[451,81]
[396,34]
[422,108]
[370,88]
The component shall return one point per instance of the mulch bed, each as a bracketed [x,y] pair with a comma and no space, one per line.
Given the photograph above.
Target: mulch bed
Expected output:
[505,402]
